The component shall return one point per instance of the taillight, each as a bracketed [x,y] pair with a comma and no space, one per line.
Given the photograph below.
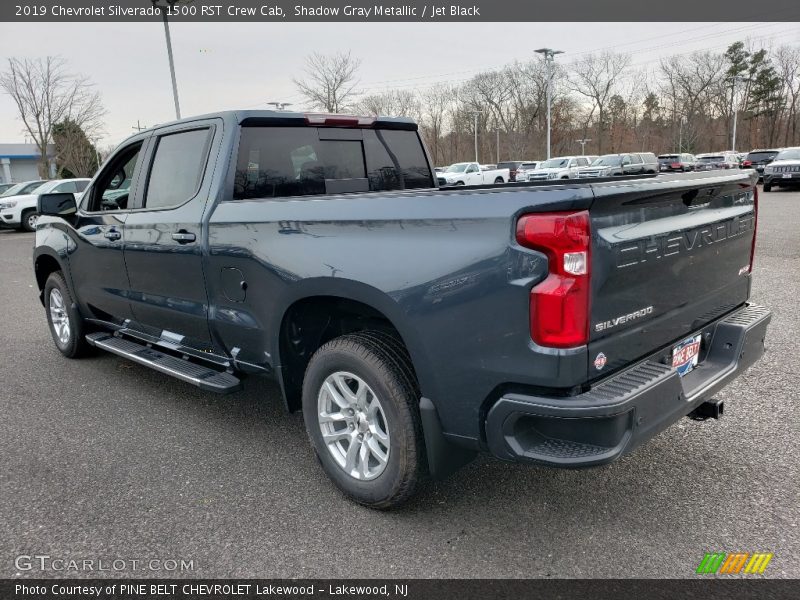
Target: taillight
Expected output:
[747,163]
[676,165]
[755,227]
[559,305]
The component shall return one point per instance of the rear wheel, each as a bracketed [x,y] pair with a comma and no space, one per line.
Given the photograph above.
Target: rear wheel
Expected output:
[498,180]
[361,410]
[28,221]
[66,325]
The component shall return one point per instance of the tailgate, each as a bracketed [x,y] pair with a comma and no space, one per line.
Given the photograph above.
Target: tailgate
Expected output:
[669,255]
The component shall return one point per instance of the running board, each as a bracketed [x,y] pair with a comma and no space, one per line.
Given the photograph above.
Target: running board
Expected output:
[203,377]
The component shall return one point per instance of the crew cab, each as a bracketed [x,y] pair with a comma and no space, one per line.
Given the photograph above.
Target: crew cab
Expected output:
[560,167]
[472,174]
[556,324]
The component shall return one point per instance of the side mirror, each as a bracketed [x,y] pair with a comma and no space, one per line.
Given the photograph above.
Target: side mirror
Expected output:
[60,204]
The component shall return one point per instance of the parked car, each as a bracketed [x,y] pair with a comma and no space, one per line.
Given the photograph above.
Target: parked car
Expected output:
[25,187]
[613,165]
[525,169]
[560,167]
[758,159]
[784,170]
[716,160]
[20,211]
[4,187]
[676,162]
[513,166]
[471,173]
[413,326]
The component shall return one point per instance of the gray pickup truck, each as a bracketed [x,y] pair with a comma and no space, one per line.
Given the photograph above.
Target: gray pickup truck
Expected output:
[557,324]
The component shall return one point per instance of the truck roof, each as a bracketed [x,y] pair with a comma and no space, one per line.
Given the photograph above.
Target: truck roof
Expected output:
[275,117]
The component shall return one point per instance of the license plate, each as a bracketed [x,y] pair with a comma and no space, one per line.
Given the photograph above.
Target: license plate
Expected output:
[686,354]
[787,175]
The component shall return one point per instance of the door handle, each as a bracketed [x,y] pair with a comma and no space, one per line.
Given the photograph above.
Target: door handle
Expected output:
[183,236]
[113,235]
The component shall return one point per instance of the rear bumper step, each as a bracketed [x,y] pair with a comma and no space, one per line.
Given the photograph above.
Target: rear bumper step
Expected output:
[203,377]
[628,408]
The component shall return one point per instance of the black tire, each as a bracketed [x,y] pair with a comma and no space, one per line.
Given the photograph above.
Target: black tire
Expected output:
[459,183]
[383,363]
[767,187]
[24,225]
[565,177]
[75,345]
[498,180]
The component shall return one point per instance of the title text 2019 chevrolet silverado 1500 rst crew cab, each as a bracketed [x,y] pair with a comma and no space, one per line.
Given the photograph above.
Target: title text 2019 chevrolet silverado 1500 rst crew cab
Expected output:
[562,325]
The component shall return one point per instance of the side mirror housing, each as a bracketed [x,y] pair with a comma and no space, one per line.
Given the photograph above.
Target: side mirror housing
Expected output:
[61,204]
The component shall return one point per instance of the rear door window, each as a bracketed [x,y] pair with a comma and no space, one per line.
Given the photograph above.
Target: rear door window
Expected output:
[177,170]
[303,161]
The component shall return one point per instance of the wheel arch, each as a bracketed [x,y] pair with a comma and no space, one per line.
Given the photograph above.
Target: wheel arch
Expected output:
[45,262]
[322,308]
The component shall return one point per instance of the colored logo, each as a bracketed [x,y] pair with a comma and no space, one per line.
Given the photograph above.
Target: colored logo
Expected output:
[600,361]
[734,563]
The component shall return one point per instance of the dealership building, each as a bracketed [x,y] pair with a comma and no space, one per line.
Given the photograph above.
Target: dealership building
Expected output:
[19,162]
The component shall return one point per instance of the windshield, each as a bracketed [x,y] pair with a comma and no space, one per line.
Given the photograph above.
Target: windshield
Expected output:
[711,158]
[610,160]
[527,166]
[554,163]
[22,188]
[457,168]
[792,154]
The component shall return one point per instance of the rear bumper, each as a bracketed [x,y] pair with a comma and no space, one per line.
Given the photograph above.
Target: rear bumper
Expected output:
[627,409]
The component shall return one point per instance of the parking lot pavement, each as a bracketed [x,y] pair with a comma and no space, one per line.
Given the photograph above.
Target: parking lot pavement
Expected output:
[102,458]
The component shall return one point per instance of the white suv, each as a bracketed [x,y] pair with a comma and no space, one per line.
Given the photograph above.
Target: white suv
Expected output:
[561,167]
[20,211]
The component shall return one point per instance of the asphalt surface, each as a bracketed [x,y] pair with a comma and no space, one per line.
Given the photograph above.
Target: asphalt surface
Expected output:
[103,459]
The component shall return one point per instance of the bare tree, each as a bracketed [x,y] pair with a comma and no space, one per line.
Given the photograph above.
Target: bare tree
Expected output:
[596,77]
[45,94]
[394,103]
[330,82]
[788,60]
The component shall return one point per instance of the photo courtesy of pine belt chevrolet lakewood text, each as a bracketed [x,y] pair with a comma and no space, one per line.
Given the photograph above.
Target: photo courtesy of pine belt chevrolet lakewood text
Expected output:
[561,323]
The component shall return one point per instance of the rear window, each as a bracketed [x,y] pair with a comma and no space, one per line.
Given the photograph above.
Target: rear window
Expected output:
[757,156]
[303,161]
[508,165]
[667,157]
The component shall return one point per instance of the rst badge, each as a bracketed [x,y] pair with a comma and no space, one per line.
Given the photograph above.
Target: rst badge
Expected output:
[686,354]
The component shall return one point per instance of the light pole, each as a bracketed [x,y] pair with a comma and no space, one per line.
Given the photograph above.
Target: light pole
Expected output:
[164,5]
[280,105]
[583,144]
[549,57]
[475,114]
[733,108]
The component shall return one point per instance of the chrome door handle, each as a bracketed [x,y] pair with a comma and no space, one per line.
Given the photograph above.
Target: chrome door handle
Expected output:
[183,237]
[112,234]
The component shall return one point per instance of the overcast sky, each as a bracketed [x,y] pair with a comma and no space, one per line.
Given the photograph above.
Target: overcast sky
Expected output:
[230,65]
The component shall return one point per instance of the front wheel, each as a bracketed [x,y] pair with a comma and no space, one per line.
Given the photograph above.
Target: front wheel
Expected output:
[767,187]
[66,324]
[28,221]
[361,411]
